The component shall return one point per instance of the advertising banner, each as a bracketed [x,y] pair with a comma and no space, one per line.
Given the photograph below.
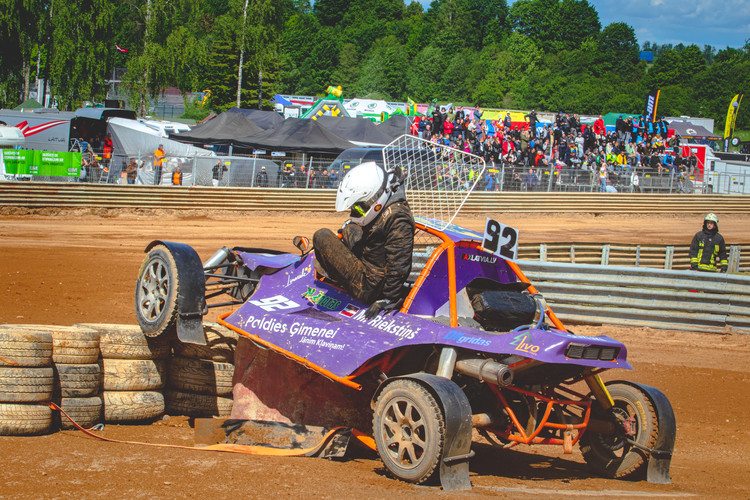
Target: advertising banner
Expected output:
[47,163]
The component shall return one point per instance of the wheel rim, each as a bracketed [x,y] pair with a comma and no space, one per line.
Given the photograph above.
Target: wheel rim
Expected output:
[404,432]
[154,286]
[628,424]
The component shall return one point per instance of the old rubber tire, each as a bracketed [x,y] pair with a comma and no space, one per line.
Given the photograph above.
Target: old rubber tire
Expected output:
[132,406]
[221,343]
[409,431]
[22,345]
[196,405]
[78,380]
[74,345]
[86,412]
[156,292]
[133,374]
[200,376]
[128,342]
[610,455]
[24,419]
[24,385]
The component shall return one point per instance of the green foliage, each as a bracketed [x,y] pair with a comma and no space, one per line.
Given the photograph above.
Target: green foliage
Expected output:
[546,54]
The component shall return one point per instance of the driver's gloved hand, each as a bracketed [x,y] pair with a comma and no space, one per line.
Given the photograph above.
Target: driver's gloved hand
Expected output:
[382,305]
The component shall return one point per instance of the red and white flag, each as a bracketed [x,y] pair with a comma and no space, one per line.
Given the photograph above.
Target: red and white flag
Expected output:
[121,49]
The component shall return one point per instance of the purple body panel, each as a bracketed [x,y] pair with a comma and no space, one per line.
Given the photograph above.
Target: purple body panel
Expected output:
[274,261]
[324,325]
[470,264]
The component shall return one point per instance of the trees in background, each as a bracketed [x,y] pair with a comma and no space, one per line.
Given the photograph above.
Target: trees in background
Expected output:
[543,54]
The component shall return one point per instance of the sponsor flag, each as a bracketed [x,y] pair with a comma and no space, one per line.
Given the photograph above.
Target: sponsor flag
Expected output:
[350,310]
[652,100]
[734,106]
[122,49]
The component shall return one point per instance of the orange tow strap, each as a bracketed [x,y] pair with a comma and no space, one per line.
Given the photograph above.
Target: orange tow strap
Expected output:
[234,448]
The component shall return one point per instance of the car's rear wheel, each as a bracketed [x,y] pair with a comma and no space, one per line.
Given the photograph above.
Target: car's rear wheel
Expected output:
[156,292]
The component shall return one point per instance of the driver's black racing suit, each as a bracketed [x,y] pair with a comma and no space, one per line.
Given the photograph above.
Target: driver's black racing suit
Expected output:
[374,261]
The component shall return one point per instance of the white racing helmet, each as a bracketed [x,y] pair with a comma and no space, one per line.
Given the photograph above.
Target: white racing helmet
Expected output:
[364,191]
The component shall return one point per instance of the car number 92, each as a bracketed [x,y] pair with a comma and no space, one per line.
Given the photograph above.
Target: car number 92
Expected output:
[500,239]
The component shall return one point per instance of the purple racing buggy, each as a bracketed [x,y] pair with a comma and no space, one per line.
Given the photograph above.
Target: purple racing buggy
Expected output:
[473,347]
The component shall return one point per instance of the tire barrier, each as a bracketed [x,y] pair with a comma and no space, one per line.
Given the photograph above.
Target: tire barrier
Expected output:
[130,407]
[26,378]
[200,376]
[98,372]
[133,369]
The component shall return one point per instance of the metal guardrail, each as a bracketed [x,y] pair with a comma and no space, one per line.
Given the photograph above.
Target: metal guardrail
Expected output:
[670,257]
[113,196]
[682,300]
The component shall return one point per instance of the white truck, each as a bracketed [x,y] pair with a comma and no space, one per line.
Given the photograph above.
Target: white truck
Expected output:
[726,177]
[47,129]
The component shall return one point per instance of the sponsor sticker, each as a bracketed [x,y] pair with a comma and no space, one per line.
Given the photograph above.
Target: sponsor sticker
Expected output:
[319,298]
[349,311]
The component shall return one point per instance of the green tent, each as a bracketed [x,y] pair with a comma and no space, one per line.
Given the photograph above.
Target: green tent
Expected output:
[28,104]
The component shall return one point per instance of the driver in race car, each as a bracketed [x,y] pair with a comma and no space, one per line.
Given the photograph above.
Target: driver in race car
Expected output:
[372,258]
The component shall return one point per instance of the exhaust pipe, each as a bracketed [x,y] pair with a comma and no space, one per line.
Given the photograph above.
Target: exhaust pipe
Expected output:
[486,370]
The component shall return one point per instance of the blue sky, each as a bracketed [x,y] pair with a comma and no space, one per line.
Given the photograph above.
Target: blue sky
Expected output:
[720,23]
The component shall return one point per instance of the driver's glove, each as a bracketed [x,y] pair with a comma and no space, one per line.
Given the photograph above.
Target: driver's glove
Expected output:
[382,305]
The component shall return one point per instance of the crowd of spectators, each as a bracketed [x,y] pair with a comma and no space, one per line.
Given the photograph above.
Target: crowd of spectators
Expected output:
[535,156]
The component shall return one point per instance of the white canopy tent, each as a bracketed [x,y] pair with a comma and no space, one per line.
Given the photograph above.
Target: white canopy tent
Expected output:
[134,140]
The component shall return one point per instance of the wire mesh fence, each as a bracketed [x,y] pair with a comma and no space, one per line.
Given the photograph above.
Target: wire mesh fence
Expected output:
[451,172]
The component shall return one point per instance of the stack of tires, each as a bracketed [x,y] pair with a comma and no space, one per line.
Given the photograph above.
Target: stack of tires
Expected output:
[133,373]
[200,377]
[26,379]
[78,376]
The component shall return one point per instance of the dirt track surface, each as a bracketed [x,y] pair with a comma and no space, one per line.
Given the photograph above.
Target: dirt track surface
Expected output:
[67,267]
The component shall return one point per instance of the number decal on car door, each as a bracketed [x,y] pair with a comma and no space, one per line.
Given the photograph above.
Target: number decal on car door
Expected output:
[277,302]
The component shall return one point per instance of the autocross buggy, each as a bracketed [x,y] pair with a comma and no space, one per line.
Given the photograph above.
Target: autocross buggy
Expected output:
[474,345]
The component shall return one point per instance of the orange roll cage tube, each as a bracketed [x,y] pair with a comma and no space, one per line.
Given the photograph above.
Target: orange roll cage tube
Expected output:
[516,433]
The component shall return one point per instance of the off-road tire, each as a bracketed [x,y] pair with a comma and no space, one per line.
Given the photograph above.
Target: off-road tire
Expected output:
[25,346]
[409,430]
[221,343]
[132,406]
[78,380]
[25,385]
[86,412]
[610,456]
[24,419]
[196,405]
[156,292]
[200,376]
[128,342]
[75,345]
[133,374]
